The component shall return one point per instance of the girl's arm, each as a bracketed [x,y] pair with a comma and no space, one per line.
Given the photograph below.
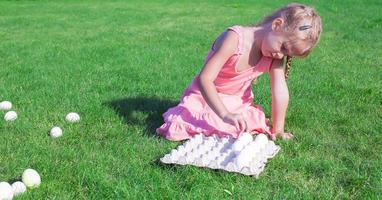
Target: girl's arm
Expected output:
[225,48]
[280,96]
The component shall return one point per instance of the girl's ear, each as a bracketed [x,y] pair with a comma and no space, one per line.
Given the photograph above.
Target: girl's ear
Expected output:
[277,24]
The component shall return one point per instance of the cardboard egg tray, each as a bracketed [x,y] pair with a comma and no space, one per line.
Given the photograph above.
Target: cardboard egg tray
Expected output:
[247,155]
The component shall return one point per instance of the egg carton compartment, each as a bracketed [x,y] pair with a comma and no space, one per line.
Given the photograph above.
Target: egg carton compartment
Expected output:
[247,154]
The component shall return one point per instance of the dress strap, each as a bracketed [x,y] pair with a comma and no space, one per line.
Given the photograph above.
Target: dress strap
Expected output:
[239,31]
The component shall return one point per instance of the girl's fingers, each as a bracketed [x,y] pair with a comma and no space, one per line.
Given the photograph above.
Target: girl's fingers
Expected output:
[284,136]
[272,137]
[239,122]
[236,123]
[289,136]
[242,125]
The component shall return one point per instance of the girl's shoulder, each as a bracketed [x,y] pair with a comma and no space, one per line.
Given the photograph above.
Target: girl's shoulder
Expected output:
[230,37]
[237,29]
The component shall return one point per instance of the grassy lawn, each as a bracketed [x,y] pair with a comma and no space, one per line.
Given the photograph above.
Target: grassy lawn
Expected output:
[121,64]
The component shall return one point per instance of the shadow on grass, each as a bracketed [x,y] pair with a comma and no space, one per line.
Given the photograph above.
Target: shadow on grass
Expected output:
[131,108]
[181,168]
[158,164]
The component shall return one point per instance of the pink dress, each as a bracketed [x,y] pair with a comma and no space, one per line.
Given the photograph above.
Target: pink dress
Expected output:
[193,115]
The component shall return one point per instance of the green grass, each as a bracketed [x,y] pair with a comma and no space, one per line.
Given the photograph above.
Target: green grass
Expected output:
[121,64]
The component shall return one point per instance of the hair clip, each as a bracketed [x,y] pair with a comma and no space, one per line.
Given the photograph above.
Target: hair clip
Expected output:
[304,27]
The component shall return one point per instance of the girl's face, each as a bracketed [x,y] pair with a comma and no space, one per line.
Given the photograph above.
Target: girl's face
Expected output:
[279,44]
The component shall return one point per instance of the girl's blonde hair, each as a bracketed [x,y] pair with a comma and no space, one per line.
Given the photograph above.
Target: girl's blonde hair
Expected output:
[294,14]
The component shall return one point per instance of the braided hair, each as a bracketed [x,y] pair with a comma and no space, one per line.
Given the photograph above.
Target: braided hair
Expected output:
[288,66]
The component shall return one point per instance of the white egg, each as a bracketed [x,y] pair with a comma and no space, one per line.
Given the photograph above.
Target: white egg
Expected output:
[72,117]
[262,138]
[31,178]
[5,105]
[55,132]
[10,116]
[18,188]
[6,192]
[246,137]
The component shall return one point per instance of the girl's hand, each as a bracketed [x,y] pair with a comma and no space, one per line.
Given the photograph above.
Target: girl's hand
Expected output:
[238,120]
[283,136]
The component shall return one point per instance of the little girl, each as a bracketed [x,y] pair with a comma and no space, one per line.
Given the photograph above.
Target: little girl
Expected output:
[220,99]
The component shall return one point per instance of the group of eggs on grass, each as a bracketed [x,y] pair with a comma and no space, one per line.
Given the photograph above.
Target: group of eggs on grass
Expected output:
[30,177]
[54,132]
